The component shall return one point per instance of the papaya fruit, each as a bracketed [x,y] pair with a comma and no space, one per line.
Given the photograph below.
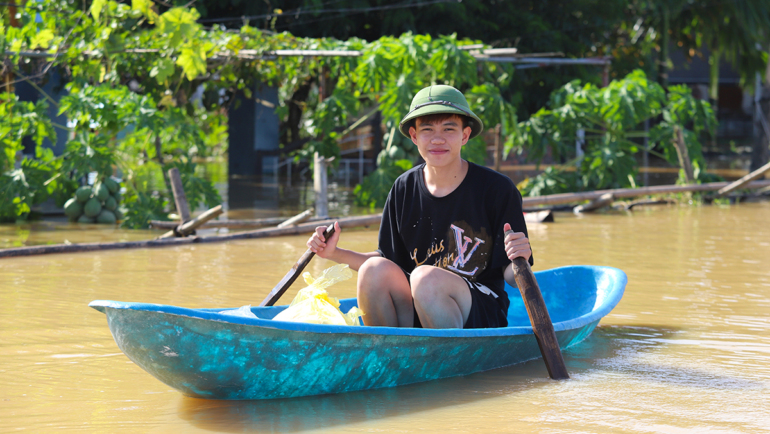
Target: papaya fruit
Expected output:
[118,215]
[73,209]
[101,192]
[111,203]
[85,219]
[93,207]
[112,185]
[106,216]
[83,193]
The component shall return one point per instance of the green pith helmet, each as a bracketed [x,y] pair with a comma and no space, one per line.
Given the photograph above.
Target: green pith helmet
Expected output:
[440,99]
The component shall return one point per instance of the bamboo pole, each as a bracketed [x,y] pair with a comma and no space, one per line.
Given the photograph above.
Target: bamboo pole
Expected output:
[556,199]
[187,228]
[297,219]
[231,224]
[743,181]
[305,228]
[92,247]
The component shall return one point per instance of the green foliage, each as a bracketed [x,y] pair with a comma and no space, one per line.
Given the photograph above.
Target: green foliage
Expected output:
[610,118]
[143,207]
[151,126]
[392,70]
[134,68]
[19,120]
[20,189]
[374,190]
[551,181]
[22,179]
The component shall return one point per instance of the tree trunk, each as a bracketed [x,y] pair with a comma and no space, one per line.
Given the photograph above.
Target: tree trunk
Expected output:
[295,104]
[376,126]
[159,157]
[663,66]
[761,149]
[761,154]
[684,156]
[714,87]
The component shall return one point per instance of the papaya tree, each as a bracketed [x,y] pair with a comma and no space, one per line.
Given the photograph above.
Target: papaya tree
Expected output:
[611,119]
[151,86]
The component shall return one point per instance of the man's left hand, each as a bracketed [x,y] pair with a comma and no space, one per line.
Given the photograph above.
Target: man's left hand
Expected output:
[516,244]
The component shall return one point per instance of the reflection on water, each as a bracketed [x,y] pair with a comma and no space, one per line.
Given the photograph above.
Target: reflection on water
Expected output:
[687,349]
[62,232]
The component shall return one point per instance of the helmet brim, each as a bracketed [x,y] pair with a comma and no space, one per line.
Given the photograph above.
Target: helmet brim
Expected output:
[438,107]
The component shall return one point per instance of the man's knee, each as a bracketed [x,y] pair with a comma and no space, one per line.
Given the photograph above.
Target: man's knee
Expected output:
[376,273]
[426,282]
[376,267]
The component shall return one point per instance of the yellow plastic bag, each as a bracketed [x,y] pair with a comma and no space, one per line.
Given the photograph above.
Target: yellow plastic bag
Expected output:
[313,304]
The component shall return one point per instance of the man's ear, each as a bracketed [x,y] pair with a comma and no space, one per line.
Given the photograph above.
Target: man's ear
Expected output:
[466,134]
[413,134]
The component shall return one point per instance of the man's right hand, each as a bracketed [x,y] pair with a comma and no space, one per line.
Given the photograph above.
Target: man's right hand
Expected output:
[320,245]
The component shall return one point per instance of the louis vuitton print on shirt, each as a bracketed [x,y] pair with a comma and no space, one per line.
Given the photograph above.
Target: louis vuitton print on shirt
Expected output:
[461,232]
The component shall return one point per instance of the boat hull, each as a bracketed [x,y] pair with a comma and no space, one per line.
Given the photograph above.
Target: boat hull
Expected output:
[206,354]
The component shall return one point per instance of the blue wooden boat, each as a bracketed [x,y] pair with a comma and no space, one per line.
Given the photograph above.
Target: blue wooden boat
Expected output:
[207,354]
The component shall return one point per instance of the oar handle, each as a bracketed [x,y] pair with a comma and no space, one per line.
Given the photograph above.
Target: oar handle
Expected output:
[295,271]
[524,279]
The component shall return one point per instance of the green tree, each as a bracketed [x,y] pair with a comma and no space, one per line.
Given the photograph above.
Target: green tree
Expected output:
[610,118]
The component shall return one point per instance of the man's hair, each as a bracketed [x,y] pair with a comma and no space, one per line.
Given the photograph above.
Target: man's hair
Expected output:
[437,118]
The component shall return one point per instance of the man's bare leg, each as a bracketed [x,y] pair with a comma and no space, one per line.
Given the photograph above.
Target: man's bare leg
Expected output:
[442,299]
[384,294]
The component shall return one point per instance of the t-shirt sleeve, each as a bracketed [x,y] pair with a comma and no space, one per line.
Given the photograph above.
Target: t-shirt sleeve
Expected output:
[390,245]
[510,202]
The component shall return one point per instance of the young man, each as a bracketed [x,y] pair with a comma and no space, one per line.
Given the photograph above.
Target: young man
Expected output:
[442,248]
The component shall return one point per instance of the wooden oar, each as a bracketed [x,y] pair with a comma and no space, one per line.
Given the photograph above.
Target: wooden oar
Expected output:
[295,271]
[520,275]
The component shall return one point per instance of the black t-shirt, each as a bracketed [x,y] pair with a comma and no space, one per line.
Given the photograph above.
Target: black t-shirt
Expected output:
[461,232]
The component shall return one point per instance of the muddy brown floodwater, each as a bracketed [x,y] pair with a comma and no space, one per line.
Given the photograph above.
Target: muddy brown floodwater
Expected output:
[686,351]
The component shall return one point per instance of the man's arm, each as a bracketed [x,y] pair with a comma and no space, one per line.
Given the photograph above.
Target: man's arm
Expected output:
[328,249]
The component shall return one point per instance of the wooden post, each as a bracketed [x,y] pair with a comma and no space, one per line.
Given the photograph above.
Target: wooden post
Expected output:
[646,154]
[180,199]
[606,75]
[187,228]
[498,148]
[581,140]
[522,277]
[684,156]
[745,180]
[320,186]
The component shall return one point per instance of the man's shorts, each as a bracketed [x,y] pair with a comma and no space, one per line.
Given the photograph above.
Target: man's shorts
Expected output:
[485,311]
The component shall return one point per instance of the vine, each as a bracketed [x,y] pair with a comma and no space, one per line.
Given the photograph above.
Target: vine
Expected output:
[152,89]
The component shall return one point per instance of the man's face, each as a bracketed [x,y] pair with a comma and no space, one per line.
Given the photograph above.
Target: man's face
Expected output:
[440,142]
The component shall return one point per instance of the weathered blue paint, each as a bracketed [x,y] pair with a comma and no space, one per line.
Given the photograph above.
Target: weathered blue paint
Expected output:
[206,354]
